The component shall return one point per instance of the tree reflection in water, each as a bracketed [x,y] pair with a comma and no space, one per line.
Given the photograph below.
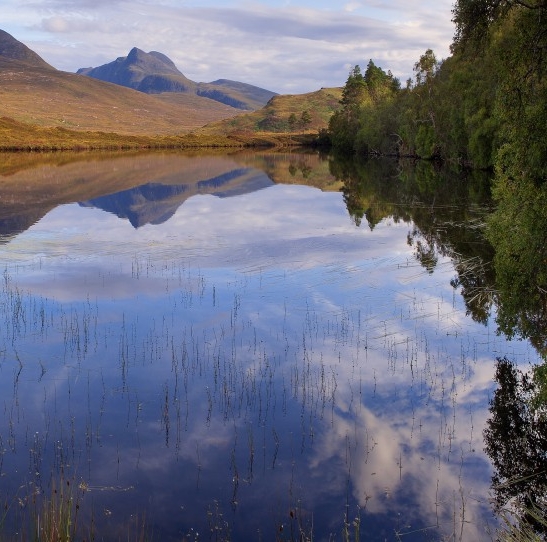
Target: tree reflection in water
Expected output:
[448,208]
[516,441]
[506,269]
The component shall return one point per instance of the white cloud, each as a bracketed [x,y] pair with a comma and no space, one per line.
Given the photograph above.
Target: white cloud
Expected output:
[56,25]
[284,47]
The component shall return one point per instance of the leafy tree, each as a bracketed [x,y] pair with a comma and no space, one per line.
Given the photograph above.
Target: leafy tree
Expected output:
[366,118]
[354,91]
[344,124]
[292,122]
[305,119]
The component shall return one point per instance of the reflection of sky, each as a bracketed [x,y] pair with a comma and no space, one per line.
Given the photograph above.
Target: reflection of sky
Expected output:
[260,349]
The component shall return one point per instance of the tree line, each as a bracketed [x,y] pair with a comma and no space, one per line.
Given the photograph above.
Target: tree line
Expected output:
[485,106]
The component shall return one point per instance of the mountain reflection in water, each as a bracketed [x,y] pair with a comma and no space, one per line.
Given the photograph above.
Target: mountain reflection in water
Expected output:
[154,203]
[292,362]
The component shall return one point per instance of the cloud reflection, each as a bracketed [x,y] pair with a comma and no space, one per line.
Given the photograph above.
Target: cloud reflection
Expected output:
[250,350]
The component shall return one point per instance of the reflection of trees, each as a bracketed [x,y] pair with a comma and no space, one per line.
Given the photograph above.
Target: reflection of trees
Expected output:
[499,256]
[516,441]
[447,209]
[369,190]
[518,232]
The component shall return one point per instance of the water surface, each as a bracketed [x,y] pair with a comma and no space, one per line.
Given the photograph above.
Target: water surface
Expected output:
[214,344]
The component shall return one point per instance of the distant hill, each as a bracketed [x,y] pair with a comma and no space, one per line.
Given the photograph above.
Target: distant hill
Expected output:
[311,112]
[155,73]
[33,92]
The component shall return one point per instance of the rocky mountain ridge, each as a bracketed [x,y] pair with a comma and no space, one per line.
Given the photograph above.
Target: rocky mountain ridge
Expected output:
[155,73]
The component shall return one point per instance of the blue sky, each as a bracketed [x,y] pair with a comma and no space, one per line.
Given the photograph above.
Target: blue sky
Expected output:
[288,46]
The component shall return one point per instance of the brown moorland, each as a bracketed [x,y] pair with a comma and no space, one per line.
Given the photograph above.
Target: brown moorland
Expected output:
[47,109]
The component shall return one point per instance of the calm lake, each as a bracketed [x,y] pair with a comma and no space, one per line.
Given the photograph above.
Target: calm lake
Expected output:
[214,347]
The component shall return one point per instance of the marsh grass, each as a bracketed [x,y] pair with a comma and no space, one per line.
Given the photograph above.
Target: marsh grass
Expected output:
[56,517]
[518,525]
[20,136]
[63,514]
[53,515]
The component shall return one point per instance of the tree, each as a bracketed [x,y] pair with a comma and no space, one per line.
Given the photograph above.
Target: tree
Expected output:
[426,68]
[354,89]
[474,18]
[344,124]
[305,119]
[292,122]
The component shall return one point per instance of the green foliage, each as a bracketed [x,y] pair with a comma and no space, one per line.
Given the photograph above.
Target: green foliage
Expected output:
[360,125]
[490,94]
[305,119]
[292,121]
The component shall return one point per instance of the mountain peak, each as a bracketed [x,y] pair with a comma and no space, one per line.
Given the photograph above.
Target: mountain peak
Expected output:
[155,73]
[15,50]
[153,63]
[138,69]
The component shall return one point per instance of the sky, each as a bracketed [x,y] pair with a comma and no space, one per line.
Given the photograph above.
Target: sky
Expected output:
[287,46]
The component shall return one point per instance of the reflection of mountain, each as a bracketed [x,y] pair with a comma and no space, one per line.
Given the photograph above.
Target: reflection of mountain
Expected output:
[31,188]
[155,203]
[10,226]
[34,184]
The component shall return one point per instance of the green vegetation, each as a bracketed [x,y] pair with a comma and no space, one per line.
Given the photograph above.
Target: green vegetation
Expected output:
[289,114]
[485,106]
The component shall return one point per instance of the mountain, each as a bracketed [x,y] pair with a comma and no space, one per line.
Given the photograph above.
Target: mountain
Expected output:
[35,93]
[148,72]
[11,48]
[155,73]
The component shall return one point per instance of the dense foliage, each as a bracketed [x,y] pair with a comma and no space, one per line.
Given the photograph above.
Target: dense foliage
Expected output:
[485,106]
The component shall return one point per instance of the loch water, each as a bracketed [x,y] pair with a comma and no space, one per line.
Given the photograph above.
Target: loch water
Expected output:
[245,346]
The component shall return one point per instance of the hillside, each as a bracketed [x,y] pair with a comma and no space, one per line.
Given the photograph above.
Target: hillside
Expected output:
[11,48]
[155,73]
[45,108]
[49,97]
[311,112]
[33,92]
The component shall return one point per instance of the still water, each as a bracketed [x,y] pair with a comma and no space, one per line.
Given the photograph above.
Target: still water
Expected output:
[211,347]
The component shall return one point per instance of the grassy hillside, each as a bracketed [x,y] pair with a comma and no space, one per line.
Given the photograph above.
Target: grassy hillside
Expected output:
[274,117]
[44,108]
[47,97]
[11,48]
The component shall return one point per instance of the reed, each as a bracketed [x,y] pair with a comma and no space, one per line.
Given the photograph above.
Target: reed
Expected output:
[522,530]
